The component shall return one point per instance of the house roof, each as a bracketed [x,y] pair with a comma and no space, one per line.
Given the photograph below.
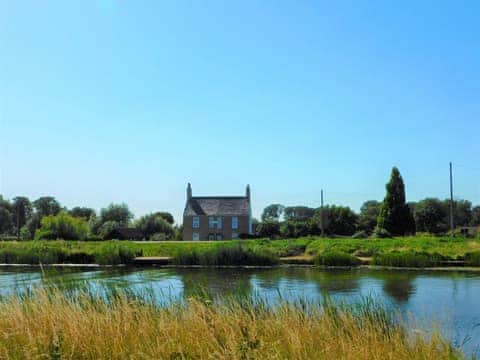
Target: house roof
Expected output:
[217,206]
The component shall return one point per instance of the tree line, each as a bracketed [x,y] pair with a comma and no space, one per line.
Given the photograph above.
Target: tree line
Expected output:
[46,218]
[392,217]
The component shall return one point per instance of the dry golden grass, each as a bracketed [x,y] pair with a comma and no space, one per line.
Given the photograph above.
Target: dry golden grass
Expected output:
[51,326]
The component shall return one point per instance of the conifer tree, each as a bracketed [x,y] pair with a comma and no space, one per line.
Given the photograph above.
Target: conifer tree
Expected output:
[395,215]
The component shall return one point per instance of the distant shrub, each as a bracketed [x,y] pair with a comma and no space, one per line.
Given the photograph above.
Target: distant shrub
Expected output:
[408,259]
[38,253]
[472,258]
[381,234]
[158,237]
[112,253]
[336,259]
[62,226]
[360,235]
[227,255]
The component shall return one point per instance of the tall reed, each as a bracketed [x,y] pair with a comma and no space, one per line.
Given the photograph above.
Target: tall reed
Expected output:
[51,325]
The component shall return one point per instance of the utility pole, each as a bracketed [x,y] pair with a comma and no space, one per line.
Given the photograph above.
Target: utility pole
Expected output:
[452,223]
[321,212]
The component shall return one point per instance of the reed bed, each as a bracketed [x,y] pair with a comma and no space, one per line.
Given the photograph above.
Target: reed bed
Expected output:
[53,325]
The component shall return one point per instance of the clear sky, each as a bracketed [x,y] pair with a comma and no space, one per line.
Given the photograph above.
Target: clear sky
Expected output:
[127,101]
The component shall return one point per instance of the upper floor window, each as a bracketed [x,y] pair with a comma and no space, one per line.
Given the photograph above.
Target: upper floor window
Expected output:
[196,222]
[234,222]
[214,223]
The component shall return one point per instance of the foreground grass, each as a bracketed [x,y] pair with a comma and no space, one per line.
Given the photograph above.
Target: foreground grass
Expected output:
[49,325]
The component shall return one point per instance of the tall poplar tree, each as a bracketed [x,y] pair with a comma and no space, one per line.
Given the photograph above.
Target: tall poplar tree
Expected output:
[395,215]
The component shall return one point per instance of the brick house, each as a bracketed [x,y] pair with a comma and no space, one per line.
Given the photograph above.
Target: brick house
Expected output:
[216,217]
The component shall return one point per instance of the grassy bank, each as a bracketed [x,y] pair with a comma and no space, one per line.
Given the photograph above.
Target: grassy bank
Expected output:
[54,326]
[406,251]
[228,255]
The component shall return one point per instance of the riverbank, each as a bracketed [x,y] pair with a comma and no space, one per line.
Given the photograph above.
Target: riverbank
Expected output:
[52,325]
[418,252]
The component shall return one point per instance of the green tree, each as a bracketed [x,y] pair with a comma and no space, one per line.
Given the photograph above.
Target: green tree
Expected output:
[46,205]
[108,226]
[27,232]
[395,215]
[475,216]
[270,229]
[338,220]
[367,220]
[166,216]
[272,212]
[154,224]
[116,212]
[6,221]
[298,213]
[431,216]
[83,212]
[62,226]
[462,212]
[21,211]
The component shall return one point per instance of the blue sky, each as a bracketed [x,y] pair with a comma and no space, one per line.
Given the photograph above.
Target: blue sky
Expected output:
[123,101]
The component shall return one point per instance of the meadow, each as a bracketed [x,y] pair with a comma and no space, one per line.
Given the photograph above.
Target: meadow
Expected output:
[415,251]
[48,324]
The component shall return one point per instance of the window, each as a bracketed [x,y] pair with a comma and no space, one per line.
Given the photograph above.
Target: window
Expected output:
[211,236]
[214,223]
[234,235]
[234,222]
[196,222]
[195,236]
[219,237]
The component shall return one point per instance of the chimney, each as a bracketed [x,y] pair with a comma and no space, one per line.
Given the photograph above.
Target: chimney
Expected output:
[189,191]
[247,193]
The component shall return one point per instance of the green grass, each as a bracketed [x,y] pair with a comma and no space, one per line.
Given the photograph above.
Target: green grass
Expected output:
[228,255]
[58,251]
[336,259]
[408,259]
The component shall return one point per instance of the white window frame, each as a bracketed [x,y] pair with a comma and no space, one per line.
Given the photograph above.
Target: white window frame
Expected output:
[196,222]
[234,222]
[196,236]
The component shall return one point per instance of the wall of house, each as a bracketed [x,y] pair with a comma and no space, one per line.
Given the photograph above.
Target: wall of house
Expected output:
[204,230]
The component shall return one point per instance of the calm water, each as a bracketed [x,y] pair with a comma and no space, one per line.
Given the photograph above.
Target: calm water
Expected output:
[450,299]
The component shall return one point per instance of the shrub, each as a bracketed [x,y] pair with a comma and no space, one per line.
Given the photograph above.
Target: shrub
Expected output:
[158,237]
[112,253]
[381,234]
[408,259]
[472,258]
[62,226]
[336,259]
[360,235]
[154,223]
[227,255]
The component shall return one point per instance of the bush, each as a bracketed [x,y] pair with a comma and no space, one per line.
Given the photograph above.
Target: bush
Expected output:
[360,235]
[227,255]
[62,226]
[408,259]
[112,253]
[381,234]
[36,254]
[336,259]
[158,237]
[472,258]
[153,224]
